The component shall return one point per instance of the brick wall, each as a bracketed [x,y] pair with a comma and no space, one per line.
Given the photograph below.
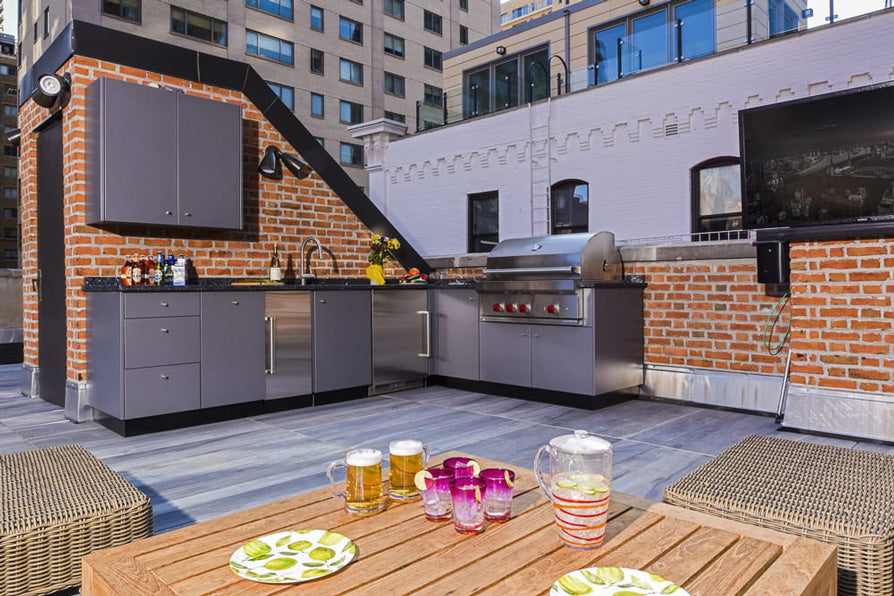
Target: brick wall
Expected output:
[281,213]
[842,303]
[708,314]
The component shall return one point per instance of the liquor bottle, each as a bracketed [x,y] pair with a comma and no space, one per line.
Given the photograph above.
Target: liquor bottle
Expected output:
[158,275]
[136,271]
[168,274]
[275,269]
[125,272]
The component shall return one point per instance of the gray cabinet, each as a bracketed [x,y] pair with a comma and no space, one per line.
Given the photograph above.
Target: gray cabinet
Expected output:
[506,353]
[342,340]
[158,157]
[232,348]
[563,358]
[455,329]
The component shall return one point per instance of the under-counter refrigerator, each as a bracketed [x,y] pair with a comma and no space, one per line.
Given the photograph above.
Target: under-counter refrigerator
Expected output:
[401,333]
[288,363]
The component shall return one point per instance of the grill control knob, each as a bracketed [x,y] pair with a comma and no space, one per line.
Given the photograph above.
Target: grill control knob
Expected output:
[511,308]
[553,309]
[523,308]
[498,307]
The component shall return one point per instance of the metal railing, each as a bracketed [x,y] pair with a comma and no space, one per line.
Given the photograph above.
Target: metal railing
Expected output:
[621,56]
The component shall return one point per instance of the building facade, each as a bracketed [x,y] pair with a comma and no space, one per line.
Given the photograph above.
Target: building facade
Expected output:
[10,241]
[333,63]
[516,12]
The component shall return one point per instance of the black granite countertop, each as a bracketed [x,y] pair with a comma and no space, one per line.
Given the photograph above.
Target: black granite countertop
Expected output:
[225,284]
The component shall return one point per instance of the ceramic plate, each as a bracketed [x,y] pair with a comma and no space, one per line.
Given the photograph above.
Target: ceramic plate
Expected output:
[292,556]
[614,581]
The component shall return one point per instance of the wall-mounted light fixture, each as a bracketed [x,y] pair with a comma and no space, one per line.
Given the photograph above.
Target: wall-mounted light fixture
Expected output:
[501,50]
[271,164]
[52,90]
[644,2]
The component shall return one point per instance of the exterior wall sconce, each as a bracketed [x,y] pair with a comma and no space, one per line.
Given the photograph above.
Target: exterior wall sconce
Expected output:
[52,90]
[271,164]
[501,50]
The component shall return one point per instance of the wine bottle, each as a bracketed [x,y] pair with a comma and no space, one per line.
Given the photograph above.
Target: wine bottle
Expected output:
[275,269]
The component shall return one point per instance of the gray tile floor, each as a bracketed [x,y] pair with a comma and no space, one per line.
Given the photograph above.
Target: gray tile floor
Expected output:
[200,473]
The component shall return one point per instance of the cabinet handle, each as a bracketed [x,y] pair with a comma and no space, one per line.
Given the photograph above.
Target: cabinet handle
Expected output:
[235,303]
[165,377]
[322,301]
[524,335]
[271,344]
[163,330]
[536,335]
[427,352]
[471,299]
[165,304]
[169,212]
[187,214]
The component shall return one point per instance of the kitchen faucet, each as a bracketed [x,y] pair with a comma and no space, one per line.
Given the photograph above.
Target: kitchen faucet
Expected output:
[306,276]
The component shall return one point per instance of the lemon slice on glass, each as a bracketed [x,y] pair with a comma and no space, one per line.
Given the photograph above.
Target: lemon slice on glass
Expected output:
[476,468]
[508,479]
[423,479]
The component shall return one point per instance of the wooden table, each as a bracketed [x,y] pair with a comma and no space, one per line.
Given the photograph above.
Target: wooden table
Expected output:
[401,552]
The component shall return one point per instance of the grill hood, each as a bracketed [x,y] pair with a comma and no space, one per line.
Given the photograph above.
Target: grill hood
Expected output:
[589,257]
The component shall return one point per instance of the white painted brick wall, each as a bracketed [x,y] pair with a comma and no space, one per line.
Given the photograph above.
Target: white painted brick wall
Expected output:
[612,137]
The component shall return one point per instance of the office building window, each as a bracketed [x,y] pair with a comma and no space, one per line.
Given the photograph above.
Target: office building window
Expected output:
[280,8]
[507,82]
[394,45]
[464,4]
[316,61]
[10,150]
[484,221]
[395,8]
[395,84]
[463,35]
[396,117]
[434,96]
[285,93]
[193,24]
[124,9]
[569,207]
[35,31]
[350,71]
[431,21]
[9,110]
[316,18]
[716,189]
[10,213]
[316,105]
[46,21]
[433,58]
[10,172]
[265,46]
[10,233]
[351,155]
[350,30]
[10,193]
[349,112]
[6,69]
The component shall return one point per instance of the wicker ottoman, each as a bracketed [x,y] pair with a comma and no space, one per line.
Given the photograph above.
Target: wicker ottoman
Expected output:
[841,496]
[59,504]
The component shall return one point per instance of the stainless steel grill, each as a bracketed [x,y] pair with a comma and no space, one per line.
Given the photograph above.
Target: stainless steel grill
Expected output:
[539,280]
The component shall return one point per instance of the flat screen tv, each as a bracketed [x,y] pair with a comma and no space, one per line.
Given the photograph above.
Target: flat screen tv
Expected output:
[824,160]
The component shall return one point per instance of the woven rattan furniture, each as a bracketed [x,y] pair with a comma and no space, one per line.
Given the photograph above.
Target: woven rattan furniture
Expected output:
[836,495]
[59,504]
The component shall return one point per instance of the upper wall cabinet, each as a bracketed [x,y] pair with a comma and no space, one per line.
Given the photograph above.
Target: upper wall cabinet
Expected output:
[161,157]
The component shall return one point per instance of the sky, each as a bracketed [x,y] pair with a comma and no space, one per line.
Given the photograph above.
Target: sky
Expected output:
[844,8]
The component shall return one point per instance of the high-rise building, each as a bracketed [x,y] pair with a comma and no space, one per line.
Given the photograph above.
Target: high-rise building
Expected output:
[9,176]
[516,12]
[335,63]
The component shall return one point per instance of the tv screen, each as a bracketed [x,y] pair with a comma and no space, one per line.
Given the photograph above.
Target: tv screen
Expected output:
[828,159]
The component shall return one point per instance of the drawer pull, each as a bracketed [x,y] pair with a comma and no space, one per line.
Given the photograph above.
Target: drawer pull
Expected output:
[323,301]
[163,330]
[165,377]
[187,214]
[165,304]
[235,303]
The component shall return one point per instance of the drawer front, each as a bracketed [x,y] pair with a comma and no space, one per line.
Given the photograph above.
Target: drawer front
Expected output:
[161,305]
[163,340]
[161,390]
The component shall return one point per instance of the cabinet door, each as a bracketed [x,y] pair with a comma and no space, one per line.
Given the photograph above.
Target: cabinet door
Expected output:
[210,151]
[138,153]
[563,358]
[400,335]
[456,318]
[160,340]
[232,347]
[506,353]
[160,390]
[342,331]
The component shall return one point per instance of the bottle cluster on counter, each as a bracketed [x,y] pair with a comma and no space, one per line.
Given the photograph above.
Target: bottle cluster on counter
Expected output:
[143,271]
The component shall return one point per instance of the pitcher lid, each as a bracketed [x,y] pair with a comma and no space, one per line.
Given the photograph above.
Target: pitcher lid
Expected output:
[581,442]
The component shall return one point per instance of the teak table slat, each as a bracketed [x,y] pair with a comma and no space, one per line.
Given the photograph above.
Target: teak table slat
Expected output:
[400,552]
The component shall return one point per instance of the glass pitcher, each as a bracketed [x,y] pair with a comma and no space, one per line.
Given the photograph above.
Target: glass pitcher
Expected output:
[580,467]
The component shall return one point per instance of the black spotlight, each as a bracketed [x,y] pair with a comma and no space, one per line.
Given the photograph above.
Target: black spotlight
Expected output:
[52,90]
[271,164]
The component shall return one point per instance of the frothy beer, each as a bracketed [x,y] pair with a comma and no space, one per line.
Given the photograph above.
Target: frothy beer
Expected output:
[364,484]
[406,456]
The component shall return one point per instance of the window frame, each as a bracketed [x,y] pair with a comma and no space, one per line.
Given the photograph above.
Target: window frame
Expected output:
[120,15]
[519,93]
[403,45]
[46,22]
[352,63]
[391,116]
[392,3]
[432,22]
[354,148]
[428,92]
[427,51]
[256,5]
[185,33]
[473,240]
[322,98]
[322,26]
[258,35]
[695,198]
[464,5]
[463,35]
[281,88]
[352,25]
[322,56]
[342,103]
[572,228]
[395,77]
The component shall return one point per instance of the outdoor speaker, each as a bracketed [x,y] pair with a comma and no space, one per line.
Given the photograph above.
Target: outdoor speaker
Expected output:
[772,262]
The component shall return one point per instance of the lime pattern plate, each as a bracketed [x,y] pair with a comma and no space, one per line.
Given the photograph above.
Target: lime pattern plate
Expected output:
[292,556]
[614,581]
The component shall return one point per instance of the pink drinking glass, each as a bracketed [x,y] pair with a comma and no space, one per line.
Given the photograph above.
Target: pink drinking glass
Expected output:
[468,495]
[498,501]
[460,466]
[436,497]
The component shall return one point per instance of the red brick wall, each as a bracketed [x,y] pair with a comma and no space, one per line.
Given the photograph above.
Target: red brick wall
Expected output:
[842,302]
[708,314]
[281,213]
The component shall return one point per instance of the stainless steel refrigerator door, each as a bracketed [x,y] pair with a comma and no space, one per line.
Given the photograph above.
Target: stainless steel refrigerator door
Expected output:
[288,350]
[401,335]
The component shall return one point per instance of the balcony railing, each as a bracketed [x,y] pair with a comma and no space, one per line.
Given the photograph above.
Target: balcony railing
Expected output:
[626,49]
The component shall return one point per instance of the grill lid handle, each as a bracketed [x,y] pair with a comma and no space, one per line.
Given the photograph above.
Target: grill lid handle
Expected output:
[574,270]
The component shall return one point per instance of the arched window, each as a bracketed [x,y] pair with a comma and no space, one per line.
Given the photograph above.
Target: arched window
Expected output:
[569,207]
[716,187]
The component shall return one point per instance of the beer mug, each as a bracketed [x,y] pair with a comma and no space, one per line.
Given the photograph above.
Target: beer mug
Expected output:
[364,492]
[408,457]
